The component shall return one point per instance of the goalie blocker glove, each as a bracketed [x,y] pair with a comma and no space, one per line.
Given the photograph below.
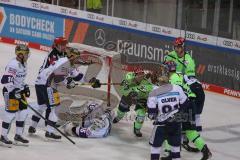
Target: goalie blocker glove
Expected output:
[95,82]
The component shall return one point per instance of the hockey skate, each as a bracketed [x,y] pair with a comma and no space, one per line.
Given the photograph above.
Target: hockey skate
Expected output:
[137,132]
[31,130]
[166,158]
[6,142]
[52,136]
[206,153]
[19,140]
[166,154]
[116,120]
[186,146]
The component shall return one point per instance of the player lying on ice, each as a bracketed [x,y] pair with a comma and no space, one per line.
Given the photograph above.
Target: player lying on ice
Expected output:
[96,122]
[63,72]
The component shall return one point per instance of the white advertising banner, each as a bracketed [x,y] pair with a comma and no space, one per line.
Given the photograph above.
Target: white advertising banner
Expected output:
[96,17]
[228,43]
[160,30]
[198,37]
[7,1]
[129,24]
[166,31]
[49,8]
[29,4]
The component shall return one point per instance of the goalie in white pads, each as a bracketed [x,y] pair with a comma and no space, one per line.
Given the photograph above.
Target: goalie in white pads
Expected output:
[62,70]
[96,124]
[15,92]
[163,103]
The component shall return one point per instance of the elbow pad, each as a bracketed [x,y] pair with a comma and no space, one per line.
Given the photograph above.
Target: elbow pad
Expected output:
[6,79]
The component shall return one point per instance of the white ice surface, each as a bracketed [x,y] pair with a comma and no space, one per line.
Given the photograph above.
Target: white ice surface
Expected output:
[221,121]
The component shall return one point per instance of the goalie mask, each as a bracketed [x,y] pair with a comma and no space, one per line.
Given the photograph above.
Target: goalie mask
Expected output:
[93,109]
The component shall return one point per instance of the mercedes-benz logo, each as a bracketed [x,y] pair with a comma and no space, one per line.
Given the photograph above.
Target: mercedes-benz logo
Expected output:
[100,37]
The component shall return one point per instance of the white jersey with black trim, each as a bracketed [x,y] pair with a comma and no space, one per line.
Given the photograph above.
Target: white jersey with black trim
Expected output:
[15,72]
[167,100]
[61,69]
[52,56]
[99,128]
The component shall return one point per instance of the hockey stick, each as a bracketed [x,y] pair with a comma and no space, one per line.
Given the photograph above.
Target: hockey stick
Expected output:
[82,84]
[185,37]
[48,122]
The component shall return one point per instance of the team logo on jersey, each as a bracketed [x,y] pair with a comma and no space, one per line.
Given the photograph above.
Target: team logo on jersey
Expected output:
[2,18]
[12,71]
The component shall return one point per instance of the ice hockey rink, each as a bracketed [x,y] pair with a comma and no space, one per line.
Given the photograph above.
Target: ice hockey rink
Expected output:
[221,122]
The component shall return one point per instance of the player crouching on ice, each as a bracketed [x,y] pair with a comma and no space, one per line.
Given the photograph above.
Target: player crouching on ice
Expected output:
[62,71]
[96,123]
[134,89]
[15,92]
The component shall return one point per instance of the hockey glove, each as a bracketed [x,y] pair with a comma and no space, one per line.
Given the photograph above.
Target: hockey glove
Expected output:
[95,82]
[17,93]
[190,81]
[70,83]
[26,90]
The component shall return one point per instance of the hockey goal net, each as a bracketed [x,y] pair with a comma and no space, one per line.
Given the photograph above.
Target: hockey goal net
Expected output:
[105,66]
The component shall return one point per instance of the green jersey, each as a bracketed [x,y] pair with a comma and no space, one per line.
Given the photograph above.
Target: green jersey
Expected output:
[177,79]
[142,89]
[185,65]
